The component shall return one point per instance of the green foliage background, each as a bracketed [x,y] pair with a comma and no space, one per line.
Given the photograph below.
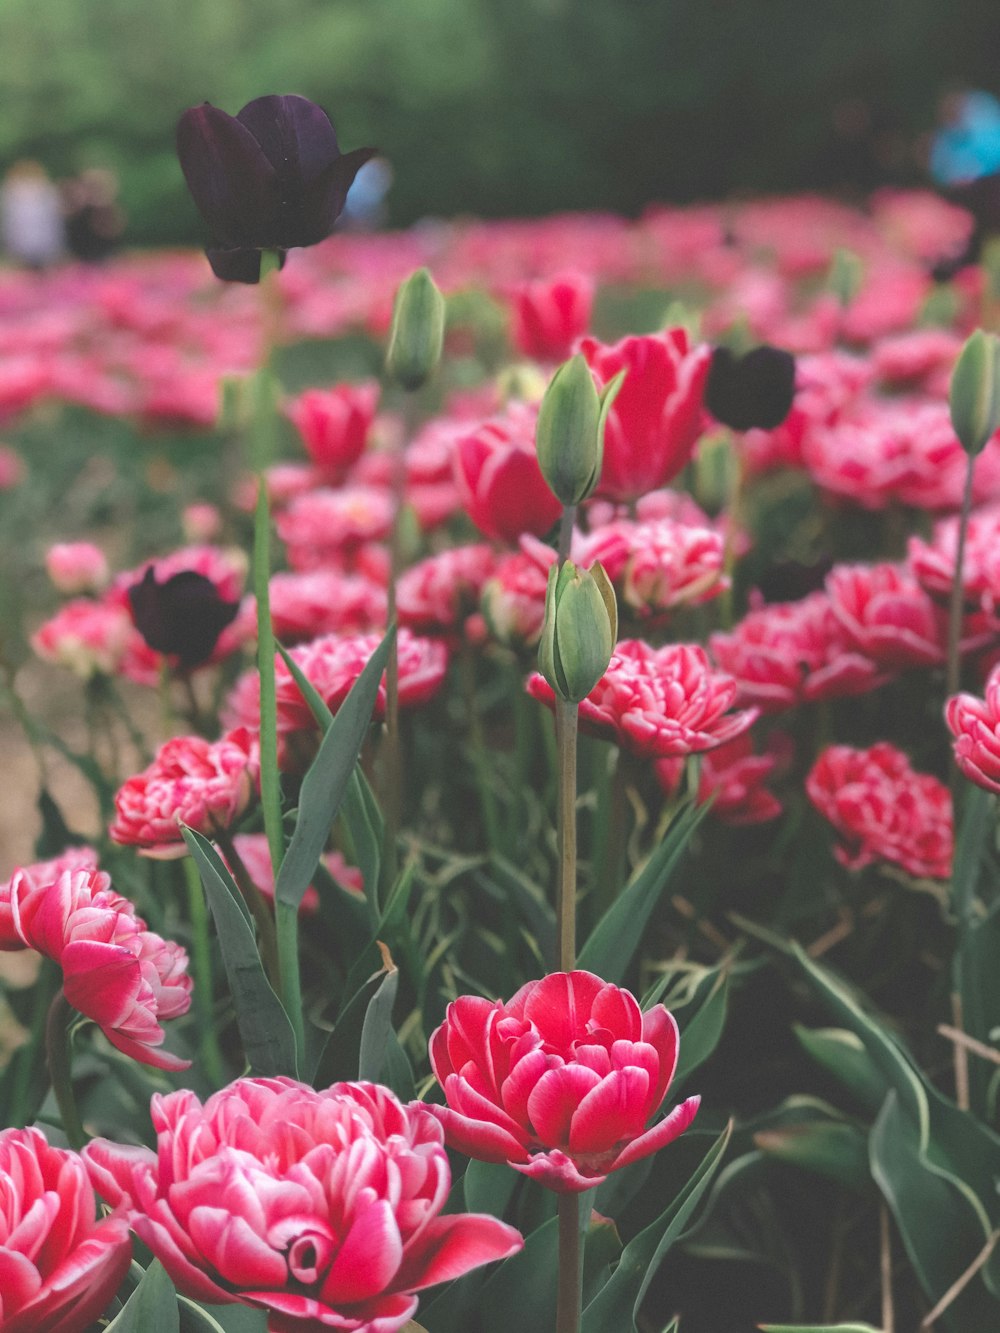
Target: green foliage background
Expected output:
[499,106]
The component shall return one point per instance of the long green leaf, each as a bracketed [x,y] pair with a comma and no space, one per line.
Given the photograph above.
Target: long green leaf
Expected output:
[377,1027]
[615,938]
[153,1305]
[645,1253]
[324,784]
[268,1039]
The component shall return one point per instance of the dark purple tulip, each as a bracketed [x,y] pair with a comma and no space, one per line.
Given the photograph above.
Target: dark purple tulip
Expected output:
[756,389]
[183,616]
[271,177]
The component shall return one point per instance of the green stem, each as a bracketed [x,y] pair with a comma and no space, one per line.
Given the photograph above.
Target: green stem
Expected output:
[566,729]
[569,1298]
[201,957]
[955,609]
[566,524]
[60,1062]
[734,516]
[270,782]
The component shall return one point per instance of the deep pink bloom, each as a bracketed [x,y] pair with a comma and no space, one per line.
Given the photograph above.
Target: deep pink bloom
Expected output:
[933,562]
[332,664]
[76,567]
[656,419]
[334,423]
[975,725]
[497,472]
[115,971]
[549,314]
[787,653]
[883,810]
[886,614]
[326,526]
[659,565]
[204,784]
[437,595]
[659,701]
[735,776]
[321,1208]
[324,601]
[560,1082]
[39,874]
[88,637]
[254,852]
[59,1267]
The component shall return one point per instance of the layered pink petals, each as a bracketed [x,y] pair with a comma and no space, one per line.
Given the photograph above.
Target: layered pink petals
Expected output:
[656,418]
[975,725]
[658,702]
[115,971]
[59,1267]
[883,810]
[560,1082]
[319,1207]
[204,784]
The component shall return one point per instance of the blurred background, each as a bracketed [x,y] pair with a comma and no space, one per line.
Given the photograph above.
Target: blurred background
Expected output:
[502,107]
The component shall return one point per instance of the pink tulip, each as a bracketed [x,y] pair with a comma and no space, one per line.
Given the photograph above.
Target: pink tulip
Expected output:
[59,1267]
[883,810]
[115,971]
[204,784]
[548,315]
[658,702]
[502,486]
[334,423]
[975,725]
[321,1208]
[76,567]
[560,1082]
[655,421]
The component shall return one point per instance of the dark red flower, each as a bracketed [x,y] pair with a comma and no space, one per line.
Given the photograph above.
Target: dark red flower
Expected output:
[272,177]
[753,390]
[182,616]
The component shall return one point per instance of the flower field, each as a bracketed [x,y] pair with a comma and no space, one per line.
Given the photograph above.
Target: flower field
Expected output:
[500,818]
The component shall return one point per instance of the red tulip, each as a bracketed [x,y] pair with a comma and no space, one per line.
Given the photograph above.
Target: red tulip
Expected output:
[59,1267]
[547,316]
[560,1082]
[655,421]
[319,1207]
[334,423]
[502,486]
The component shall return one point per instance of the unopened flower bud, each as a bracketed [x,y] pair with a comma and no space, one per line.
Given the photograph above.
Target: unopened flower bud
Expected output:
[974,393]
[417,334]
[580,630]
[846,276]
[570,432]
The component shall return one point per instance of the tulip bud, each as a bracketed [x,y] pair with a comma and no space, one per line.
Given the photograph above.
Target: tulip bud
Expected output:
[974,393]
[580,629]
[417,334]
[570,434]
[846,276]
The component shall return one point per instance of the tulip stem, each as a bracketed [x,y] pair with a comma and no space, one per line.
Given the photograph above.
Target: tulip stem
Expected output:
[566,729]
[955,608]
[58,1054]
[569,1292]
[566,525]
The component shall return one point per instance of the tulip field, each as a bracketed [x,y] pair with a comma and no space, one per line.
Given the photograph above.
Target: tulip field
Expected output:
[502,725]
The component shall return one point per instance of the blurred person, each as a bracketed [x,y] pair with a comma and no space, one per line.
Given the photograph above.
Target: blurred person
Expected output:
[31,223]
[964,160]
[365,209]
[94,220]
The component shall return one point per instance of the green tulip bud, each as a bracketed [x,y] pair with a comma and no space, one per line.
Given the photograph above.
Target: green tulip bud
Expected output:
[579,631]
[417,334]
[846,276]
[974,393]
[570,432]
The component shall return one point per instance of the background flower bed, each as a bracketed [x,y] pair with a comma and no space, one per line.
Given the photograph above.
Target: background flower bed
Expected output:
[858,474]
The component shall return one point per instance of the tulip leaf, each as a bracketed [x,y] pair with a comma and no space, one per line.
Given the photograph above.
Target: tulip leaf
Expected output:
[842,1054]
[226,1318]
[324,784]
[268,1039]
[832,1148]
[613,941]
[153,1304]
[941,1238]
[701,1021]
[377,1026]
[645,1253]
[489,1186]
[358,805]
[194,1319]
[525,1281]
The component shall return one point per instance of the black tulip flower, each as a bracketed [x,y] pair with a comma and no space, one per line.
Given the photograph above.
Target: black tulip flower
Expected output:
[271,177]
[756,389]
[183,616]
